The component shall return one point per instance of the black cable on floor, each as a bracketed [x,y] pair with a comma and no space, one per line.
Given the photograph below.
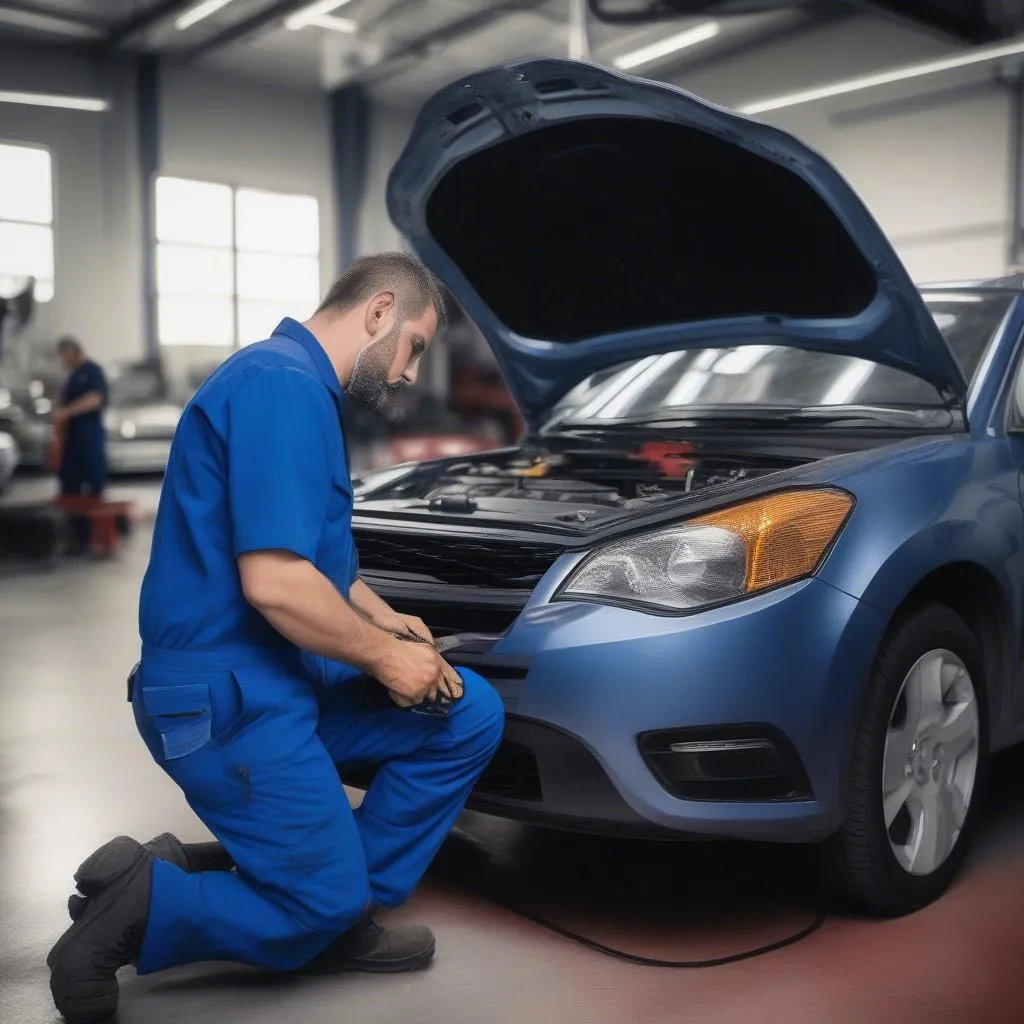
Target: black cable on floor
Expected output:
[644,961]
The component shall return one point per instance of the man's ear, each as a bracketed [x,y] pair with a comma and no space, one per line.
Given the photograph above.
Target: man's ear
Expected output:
[378,310]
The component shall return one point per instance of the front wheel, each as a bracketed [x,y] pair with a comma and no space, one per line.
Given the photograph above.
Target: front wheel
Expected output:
[918,767]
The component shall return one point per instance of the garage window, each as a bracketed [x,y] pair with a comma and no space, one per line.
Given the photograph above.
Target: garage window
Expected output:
[26,219]
[231,262]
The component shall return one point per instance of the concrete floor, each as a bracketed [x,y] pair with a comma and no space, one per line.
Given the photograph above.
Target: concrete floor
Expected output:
[73,773]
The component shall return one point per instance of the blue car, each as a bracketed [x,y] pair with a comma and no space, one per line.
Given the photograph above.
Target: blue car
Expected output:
[755,571]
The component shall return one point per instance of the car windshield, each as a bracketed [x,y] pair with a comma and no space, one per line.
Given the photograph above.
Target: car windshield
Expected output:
[752,379]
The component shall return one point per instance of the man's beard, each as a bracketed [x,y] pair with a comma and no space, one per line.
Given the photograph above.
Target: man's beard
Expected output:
[368,383]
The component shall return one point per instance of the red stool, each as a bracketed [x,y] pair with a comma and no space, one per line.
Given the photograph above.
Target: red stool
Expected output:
[103,515]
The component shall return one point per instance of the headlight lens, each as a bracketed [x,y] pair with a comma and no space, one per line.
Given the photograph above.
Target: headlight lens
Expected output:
[718,557]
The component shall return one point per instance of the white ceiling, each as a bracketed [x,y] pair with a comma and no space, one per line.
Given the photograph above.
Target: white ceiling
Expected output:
[463,35]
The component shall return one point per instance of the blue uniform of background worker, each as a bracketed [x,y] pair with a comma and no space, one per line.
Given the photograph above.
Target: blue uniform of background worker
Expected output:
[264,657]
[79,418]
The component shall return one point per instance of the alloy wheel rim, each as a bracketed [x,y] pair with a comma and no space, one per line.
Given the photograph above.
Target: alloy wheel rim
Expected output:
[930,762]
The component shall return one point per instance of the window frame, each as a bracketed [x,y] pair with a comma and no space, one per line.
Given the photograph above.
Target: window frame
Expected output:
[234,298]
[52,225]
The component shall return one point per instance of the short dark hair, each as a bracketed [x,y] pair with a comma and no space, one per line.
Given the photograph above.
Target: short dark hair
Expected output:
[414,287]
[67,342]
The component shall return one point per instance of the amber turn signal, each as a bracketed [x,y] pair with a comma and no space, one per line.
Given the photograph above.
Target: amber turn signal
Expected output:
[786,534]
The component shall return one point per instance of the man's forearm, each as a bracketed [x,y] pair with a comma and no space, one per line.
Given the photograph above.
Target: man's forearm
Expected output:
[306,608]
[87,403]
[371,605]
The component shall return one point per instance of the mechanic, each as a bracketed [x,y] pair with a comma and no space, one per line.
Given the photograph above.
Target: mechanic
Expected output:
[264,660]
[78,420]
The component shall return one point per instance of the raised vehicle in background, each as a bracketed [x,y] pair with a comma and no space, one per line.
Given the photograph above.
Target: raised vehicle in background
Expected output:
[757,569]
[10,456]
[140,419]
[25,416]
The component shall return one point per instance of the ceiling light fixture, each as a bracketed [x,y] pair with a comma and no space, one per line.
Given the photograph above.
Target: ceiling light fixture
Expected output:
[983,55]
[320,15]
[680,41]
[346,25]
[52,24]
[199,12]
[45,99]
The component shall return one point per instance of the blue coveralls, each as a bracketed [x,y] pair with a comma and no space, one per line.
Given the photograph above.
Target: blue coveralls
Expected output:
[83,468]
[251,728]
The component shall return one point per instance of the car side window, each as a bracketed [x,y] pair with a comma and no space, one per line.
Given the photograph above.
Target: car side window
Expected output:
[1015,400]
[1016,419]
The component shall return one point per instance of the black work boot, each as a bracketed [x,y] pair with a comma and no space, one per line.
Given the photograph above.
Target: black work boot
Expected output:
[107,935]
[94,875]
[367,946]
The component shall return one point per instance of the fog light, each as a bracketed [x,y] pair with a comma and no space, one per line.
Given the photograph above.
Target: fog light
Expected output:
[751,766]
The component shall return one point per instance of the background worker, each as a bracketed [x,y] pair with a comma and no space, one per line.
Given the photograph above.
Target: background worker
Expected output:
[263,660]
[78,420]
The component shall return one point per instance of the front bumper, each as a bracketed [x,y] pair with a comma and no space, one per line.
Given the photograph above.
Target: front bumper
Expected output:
[583,684]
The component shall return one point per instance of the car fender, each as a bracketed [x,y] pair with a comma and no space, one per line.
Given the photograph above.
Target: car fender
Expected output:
[909,523]
[922,509]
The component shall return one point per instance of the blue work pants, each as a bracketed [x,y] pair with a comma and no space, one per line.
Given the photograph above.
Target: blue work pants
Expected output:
[255,745]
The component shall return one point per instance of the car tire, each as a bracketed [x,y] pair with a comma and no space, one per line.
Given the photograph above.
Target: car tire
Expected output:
[868,858]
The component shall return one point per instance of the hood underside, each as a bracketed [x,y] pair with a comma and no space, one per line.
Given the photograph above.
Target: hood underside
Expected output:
[583,218]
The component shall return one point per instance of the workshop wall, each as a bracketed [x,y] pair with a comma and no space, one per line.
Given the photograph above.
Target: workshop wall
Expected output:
[390,127]
[98,281]
[930,158]
[213,127]
[243,132]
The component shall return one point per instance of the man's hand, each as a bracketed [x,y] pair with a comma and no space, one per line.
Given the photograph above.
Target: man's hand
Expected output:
[402,624]
[452,681]
[411,671]
[306,608]
[412,680]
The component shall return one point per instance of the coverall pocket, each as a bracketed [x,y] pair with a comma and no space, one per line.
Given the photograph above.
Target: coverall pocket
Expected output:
[179,723]
[182,716]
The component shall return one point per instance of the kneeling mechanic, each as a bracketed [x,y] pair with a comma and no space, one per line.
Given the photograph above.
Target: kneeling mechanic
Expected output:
[264,660]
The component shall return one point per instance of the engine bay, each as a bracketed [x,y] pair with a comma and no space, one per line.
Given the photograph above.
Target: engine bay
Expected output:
[581,484]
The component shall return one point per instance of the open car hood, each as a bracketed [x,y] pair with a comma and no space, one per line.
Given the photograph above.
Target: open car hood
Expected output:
[584,218]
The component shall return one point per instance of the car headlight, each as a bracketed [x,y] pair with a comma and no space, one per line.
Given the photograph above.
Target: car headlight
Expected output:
[718,557]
